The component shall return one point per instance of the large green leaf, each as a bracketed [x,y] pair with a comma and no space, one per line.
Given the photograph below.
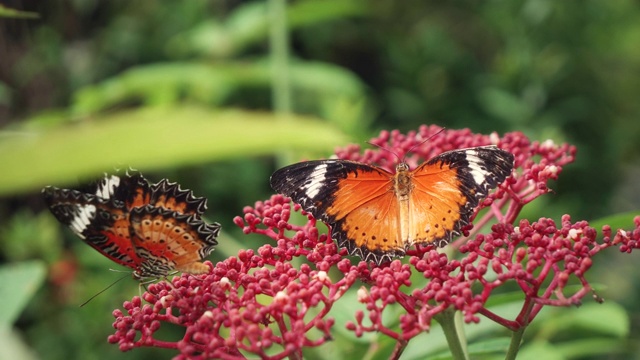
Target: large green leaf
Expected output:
[204,83]
[152,138]
[19,282]
[7,12]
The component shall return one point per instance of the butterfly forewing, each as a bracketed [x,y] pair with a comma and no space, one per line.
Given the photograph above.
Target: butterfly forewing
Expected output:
[101,223]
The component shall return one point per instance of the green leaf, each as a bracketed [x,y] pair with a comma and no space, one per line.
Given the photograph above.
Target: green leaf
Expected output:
[616,221]
[13,347]
[497,345]
[248,24]
[608,319]
[540,350]
[153,138]
[13,13]
[490,346]
[590,348]
[19,282]
[317,85]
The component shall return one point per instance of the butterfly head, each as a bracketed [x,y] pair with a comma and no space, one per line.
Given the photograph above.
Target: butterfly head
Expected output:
[402,167]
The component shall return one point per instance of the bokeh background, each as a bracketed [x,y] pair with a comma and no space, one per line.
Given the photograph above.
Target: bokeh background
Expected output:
[216,94]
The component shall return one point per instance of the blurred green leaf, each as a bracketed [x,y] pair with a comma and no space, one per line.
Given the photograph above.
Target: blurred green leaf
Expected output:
[616,221]
[590,348]
[19,282]
[304,13]
[540,350]
[317,85]
[13,13]
[608,319]
[12,346]
[505,105]
[31,236]
[247,25]
[153,138]
[496,345]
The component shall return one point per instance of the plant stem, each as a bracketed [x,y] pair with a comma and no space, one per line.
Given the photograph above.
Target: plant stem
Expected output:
[279,42]
[514,345]
[280,78]
[448,323]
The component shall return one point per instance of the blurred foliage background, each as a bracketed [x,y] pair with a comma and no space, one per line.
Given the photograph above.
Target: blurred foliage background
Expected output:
[216,94]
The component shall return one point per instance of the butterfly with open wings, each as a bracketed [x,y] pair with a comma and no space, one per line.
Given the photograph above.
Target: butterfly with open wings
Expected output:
[378,215]
[153,229]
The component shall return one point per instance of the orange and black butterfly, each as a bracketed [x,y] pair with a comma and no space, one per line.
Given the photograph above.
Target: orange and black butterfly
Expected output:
[154,229]
[378,215]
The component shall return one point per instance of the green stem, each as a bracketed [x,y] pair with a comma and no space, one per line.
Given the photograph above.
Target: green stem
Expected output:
[447,320]
[279,42]
[523,322]
[280,78]
[514,345]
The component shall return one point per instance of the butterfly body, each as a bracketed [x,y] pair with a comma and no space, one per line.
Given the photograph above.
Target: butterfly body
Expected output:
[153,229]
[378,215]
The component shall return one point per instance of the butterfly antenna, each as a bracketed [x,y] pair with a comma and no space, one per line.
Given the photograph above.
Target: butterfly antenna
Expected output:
[385,149]
[411,149]
[425,140]
[103,290]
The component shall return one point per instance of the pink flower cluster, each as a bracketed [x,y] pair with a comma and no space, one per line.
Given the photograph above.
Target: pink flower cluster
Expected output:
[260,304]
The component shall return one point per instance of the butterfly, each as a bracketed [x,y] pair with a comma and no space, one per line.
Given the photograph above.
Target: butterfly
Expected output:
[378,215]
[154,229]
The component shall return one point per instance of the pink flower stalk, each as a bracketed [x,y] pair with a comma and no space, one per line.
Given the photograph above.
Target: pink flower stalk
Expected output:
[260,304]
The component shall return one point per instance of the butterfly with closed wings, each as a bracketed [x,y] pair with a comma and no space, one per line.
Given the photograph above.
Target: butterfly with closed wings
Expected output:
[153,229]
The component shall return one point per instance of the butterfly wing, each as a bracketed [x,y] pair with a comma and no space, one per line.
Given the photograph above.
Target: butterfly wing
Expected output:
[357,200]
[166,240]
[132,189]
[448,187]
[101,223]
[170,196]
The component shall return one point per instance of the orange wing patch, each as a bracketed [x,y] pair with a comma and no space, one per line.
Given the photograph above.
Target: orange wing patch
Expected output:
[436,204]
[365,209]
[170,240]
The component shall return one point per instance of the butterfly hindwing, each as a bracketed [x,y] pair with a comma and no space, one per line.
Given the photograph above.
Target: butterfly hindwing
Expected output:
[167,239]
[168,195]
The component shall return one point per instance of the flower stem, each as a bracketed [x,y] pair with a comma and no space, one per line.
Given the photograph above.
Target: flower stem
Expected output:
[447,319]
[514,345]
